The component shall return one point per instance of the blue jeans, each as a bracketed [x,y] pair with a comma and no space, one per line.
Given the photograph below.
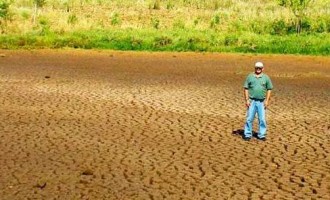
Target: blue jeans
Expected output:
[259,108]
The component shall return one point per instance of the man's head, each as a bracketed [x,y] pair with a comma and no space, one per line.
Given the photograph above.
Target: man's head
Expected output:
[258,67]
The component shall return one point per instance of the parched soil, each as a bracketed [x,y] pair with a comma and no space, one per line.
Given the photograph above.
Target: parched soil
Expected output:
[123,125]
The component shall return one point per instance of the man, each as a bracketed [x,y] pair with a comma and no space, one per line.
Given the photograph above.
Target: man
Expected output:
[257,90]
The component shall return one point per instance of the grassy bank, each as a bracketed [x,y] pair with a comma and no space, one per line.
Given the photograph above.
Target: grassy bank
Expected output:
[179,40]
[254,26]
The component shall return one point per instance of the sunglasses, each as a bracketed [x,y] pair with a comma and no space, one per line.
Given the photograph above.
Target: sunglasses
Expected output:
[258,68]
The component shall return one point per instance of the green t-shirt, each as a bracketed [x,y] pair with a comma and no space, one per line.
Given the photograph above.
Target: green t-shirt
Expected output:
[258,86]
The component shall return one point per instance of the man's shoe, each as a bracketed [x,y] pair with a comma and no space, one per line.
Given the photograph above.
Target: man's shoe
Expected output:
[246,138]
[261,138]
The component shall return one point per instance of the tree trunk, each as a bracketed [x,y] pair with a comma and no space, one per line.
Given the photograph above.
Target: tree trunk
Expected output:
[35,14]
[298,25]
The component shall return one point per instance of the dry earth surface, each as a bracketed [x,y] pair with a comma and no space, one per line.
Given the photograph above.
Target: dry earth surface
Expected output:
[124,125]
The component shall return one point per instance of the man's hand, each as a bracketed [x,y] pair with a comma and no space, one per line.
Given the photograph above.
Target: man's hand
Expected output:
[266,104]
[247,103]
[246,97]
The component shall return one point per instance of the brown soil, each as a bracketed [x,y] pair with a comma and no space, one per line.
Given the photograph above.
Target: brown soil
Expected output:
[124,125]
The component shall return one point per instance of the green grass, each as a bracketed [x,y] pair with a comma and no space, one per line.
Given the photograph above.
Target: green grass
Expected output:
[173,40]
[251,26]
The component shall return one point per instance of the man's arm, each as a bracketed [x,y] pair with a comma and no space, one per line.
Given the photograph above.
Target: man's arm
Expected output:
[246,92]
[246,97]
[267,98]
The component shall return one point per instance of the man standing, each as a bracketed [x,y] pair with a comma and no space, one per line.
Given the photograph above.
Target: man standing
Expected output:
[257,90]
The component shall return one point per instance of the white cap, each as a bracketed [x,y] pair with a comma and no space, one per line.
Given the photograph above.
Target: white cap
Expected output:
[259,64]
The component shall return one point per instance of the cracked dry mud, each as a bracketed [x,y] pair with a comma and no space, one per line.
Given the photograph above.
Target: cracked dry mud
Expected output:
[123,125]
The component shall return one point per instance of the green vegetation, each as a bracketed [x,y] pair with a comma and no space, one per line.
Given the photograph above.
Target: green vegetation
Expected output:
[37,5]
[4,14]
[4,7]
[254,26]
[298,7]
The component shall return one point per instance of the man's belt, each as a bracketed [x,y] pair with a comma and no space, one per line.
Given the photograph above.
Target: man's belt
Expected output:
[254,99]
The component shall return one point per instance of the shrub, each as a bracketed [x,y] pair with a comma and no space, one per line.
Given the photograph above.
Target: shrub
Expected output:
[230,40]
[320,25]
[115,19]
[72,19]
[196,21]
[237,26]
[4,14]
[179,24]
[25,14]
[136,43]
[4,10]
[193,43]
[215,21]
[45,26]
[216,4]
[156,5]
[155,23]
[260,27]
[169,5]
[279,27]
[162,41]
[306,24]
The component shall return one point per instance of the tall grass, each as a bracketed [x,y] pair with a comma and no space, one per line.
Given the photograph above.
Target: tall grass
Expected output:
[258,26]
[178,40]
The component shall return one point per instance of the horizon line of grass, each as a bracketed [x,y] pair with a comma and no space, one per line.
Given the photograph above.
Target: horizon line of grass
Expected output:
[172,40]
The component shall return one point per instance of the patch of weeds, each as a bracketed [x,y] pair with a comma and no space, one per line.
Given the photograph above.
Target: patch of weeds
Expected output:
[169,5]
[44,25]
[155,23]
[162,41]
[115,19]
[179,24]
[72,19]
[230,40]
[215,21]
[136,43]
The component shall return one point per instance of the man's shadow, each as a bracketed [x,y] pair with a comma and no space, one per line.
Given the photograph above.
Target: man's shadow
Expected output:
[240,132]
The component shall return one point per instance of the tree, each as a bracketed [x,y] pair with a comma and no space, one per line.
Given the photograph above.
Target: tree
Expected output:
[298,7]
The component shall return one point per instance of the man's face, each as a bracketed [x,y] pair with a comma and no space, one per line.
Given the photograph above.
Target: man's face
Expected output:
[258,70]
